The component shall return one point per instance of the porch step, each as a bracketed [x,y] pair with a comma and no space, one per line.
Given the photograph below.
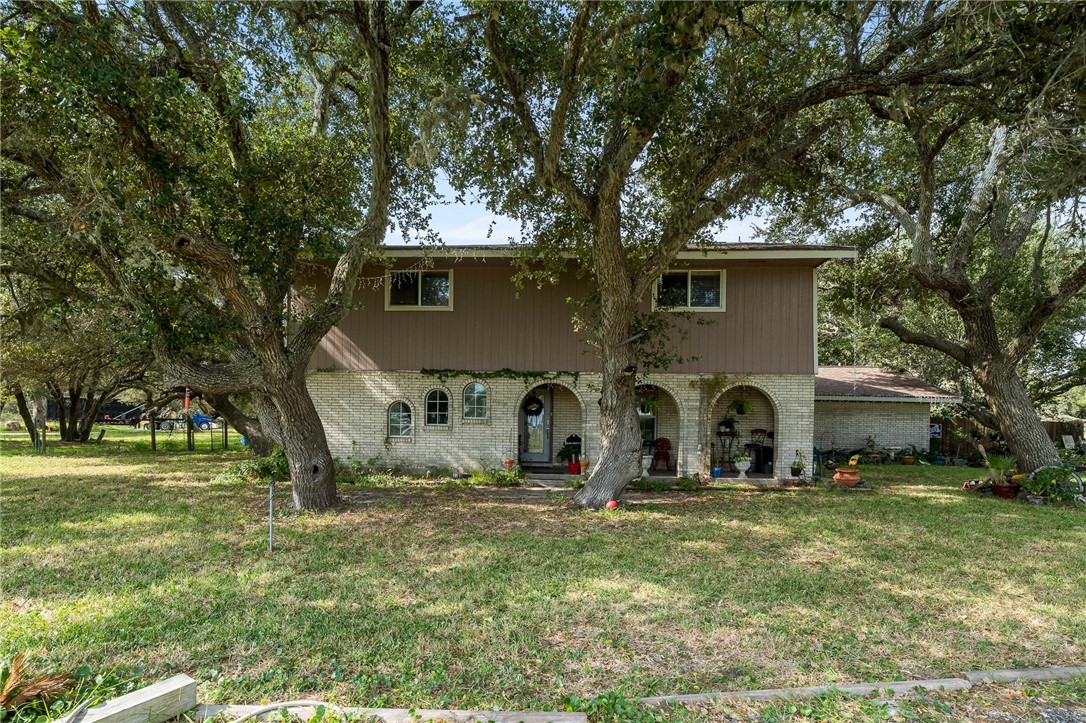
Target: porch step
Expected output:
[549,479]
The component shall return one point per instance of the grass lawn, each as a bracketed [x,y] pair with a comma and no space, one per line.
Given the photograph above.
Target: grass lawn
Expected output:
[449,596]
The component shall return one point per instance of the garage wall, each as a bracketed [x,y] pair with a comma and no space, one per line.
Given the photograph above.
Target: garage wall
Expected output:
[847,425]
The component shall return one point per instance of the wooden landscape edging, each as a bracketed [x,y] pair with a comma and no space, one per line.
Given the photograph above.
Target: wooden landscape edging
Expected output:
[176,696]
[402,715]
[894,687]
[157,702]
[1039,675]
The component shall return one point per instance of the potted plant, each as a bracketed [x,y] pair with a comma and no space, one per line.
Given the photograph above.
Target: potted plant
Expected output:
[909,457]
[798,464]
[740,406]
[1000,467]
[569,454]
[726,424]
[742,463]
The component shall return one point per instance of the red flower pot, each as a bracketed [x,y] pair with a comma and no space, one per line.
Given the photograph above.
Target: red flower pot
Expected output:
[847,476]
[1008,491]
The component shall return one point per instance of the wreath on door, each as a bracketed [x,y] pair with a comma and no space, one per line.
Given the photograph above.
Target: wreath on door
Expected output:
[532,406]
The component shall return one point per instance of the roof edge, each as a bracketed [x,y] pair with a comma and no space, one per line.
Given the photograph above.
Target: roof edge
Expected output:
[918,400]
[738,251]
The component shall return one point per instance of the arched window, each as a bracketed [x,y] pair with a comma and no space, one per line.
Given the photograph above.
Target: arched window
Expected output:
[399,420]
[475,401]
[437,408]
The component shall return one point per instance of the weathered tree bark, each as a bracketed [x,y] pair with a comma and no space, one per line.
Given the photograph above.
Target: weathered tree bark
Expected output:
[1018,419]
[619,459]
[260,444]
[269,418]
[312,471]
[25,413]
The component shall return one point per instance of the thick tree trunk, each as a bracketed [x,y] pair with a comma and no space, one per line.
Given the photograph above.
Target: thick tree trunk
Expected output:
[268,417]
[91,407]
[25,413]
[312,473]
[260,444]
[620,434]
[1018,419]
[70,431]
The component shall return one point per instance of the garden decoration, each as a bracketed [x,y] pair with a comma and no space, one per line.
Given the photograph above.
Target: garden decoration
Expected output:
[1000,467]
[849,475]
[742,463]
[612,505]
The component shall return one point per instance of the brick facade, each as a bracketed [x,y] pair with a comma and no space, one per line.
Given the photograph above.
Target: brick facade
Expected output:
[847,425]
[354,408]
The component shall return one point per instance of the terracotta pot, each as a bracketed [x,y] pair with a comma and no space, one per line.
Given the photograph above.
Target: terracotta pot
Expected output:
[508,462]
[908,460]
[847,476]
[1006,491]
[584,466]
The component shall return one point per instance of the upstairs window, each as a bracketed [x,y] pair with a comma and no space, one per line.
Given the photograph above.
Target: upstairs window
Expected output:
[418,290]
[475,401]
[690,291]
[437,408]
[399,420]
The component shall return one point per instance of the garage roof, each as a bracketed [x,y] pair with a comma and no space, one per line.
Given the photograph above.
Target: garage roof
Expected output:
[874,384]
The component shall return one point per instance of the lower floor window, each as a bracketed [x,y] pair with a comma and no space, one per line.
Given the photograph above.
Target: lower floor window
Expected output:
[399,420]
[437,408]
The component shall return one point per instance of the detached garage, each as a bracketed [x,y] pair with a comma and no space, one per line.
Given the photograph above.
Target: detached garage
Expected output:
[853,404]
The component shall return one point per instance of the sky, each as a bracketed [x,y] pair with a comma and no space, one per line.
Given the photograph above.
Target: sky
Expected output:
[467,223]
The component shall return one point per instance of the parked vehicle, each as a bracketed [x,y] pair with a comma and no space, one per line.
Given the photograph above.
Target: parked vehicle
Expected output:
[200,420]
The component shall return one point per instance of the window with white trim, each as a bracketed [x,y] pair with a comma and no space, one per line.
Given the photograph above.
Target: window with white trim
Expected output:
[437,409]
[692,290]
[475,401]
[399,420]
[418,290]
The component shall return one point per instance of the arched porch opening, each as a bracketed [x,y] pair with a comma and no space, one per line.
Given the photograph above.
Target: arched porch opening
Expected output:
[548,415]
[661,429]
[744,419]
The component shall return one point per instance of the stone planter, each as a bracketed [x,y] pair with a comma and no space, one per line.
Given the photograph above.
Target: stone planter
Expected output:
[847,476]
[743,466]
[646,462]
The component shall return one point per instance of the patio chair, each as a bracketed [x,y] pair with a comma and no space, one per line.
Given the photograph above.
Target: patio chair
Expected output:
[662,451]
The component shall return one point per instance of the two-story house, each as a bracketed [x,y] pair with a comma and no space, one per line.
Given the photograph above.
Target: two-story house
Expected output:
[445,362]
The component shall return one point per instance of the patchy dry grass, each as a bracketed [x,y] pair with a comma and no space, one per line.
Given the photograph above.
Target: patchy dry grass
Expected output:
[445,597]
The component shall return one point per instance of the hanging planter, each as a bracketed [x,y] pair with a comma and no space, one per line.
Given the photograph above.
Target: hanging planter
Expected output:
[740,407]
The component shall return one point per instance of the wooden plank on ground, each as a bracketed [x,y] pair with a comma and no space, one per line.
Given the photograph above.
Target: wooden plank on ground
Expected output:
[158,702]
[402,715]
[897,687]
[1030,674]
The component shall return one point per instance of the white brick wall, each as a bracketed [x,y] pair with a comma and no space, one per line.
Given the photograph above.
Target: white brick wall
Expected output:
[354,406]
[847,425]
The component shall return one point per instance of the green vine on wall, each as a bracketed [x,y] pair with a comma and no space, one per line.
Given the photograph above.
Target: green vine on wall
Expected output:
[711,385]
[529,379]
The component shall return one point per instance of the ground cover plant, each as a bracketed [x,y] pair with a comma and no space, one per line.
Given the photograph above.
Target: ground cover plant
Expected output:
[116,559]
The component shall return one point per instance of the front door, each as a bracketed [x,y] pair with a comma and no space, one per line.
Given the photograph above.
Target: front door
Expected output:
[535,426]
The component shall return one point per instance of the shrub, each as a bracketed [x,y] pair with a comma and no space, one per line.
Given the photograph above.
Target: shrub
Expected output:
[1055,483]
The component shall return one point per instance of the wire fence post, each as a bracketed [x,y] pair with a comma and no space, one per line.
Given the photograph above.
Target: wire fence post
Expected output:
[271,509]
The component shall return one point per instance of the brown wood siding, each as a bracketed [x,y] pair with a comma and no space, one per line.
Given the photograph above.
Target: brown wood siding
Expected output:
[768,326]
